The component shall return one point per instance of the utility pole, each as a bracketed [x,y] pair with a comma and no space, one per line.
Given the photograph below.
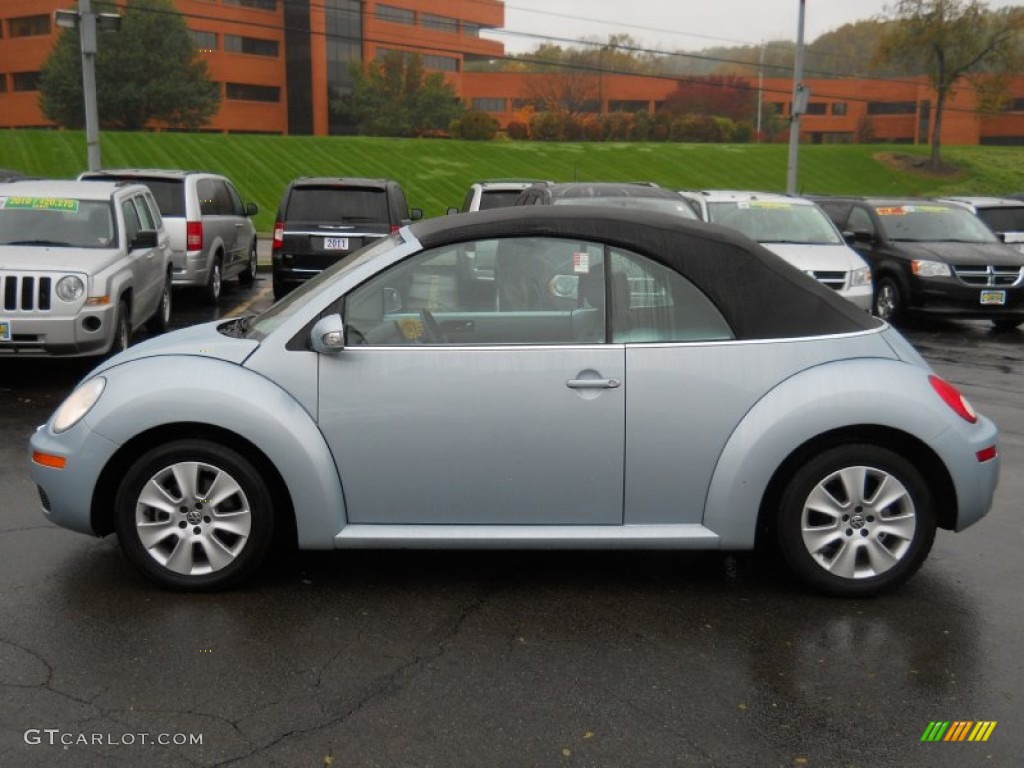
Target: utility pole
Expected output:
[799,106]
[87,22]
[760,92]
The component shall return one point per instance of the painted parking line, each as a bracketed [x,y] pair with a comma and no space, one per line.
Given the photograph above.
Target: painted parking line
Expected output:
[262,295]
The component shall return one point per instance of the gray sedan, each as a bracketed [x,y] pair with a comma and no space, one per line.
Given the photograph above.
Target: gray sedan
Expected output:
[620,379]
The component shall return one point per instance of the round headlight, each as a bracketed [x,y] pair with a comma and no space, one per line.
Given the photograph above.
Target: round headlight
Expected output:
[70,288]
[78,404]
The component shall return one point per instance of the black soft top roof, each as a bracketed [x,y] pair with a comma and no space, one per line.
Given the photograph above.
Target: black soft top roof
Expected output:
[761,296]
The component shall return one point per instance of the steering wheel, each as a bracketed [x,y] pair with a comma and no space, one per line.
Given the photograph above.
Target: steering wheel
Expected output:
[431,328]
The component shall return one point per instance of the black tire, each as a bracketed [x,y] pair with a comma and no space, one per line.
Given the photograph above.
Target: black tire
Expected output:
[1008,323]
[280,290]
[248,275]
[122,328]
[196,542]
[888,303]
[161,319]
[214,282]
[840,535]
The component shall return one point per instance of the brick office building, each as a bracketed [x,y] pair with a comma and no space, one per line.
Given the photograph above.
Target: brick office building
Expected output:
[280,63]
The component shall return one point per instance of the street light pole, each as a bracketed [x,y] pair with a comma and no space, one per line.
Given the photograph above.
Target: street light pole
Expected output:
[87,31]
[799,105]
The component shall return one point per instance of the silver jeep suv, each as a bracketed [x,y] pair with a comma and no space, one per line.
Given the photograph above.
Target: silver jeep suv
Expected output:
[82,265]
[212,235]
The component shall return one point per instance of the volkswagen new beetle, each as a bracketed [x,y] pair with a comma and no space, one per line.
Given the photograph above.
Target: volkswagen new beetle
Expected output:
[619,379]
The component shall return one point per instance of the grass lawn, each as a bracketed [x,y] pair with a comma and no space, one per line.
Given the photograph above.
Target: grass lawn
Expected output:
[437,172]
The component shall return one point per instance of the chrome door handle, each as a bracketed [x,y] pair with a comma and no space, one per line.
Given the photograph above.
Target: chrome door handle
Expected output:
[593,383]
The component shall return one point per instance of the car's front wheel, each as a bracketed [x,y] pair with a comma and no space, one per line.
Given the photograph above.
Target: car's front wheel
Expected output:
[856,520]
[161,319]
[194,515]
[888,300]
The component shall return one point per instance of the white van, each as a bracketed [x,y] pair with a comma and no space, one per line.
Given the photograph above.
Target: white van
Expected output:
[795,229]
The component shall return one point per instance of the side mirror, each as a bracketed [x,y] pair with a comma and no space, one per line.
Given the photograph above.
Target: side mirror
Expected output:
[147,238]
[416,214]
[328,335]
[251,209]
[859,236]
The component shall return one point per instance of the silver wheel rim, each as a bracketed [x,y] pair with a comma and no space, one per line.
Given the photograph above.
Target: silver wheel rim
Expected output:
[858,522]
[215,281]
[252,261]
[193,518]
[886,302]
[165,309]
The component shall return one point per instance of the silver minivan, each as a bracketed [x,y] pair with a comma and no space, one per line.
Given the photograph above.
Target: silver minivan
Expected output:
[211,230]
[795,229]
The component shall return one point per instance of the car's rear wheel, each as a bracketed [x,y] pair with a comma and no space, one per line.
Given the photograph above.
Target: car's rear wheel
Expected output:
[889,303]
[248,275]
[1008,323]
[194,515]
[856,520]
[213,282]
[161,319]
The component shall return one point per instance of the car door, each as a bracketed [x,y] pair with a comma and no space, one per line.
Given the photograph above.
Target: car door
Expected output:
[244,232]
[444,409]
[145,263]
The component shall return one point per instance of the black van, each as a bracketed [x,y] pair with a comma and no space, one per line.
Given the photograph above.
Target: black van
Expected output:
[323,219]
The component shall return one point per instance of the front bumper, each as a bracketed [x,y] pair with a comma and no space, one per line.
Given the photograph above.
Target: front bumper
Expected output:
[948,296]
[68,493]
[90,332]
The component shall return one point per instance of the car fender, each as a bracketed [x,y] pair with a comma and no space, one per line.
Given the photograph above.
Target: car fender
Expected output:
[149,393]
[818,400]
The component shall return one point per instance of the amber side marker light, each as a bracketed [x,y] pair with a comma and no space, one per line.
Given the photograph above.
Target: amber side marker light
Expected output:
[49,460]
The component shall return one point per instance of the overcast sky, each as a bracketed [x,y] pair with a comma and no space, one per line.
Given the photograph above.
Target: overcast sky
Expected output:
[682,24]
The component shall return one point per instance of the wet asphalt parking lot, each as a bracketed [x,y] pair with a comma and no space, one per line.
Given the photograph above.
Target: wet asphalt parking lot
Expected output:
[510,658]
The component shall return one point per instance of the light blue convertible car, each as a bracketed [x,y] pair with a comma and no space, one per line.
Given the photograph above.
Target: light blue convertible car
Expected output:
[558,378]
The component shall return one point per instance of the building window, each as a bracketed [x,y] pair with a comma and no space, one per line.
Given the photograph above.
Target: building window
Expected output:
[776,107]
[204,41]
[489,104]
[1016,105]
[251,45]
[442,23]
[395,15]
[469,29]
[244,92]
[627,106]
[892,107]
[816,108]
[262,5]
[839,108]
[25,81]
[443,63]
[29,26]
[3,83]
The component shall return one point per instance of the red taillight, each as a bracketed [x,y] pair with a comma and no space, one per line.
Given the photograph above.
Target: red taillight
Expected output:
[395,228]
[987,454]
[952,397]
[278,236]
[194,236]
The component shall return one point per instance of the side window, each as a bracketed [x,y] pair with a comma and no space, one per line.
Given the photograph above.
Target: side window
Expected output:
[145,217]
[207,197]
[132,226]
[505,291]
[235,207]
[860,221]
[652,303]
[158,220]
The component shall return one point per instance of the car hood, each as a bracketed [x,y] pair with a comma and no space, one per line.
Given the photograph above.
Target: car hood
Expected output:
[963,253]
[47,258]
[199,340]
[817,257]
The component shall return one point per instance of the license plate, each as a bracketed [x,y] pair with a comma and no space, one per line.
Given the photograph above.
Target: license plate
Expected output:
[993,297]
[5,330]
[335,243]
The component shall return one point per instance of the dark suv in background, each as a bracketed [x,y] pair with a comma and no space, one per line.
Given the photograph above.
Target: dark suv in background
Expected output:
[323,219]
[932,256]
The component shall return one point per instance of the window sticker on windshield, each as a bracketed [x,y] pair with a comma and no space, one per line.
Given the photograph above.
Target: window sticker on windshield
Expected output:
[38,204]
[770,204]
[894,210]
[903,210]
[581,263]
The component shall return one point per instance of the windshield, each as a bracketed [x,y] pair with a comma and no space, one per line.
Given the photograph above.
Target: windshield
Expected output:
[776,222]
[58,222]
[932,223]
[260,326]
[663,204]
[337,204]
